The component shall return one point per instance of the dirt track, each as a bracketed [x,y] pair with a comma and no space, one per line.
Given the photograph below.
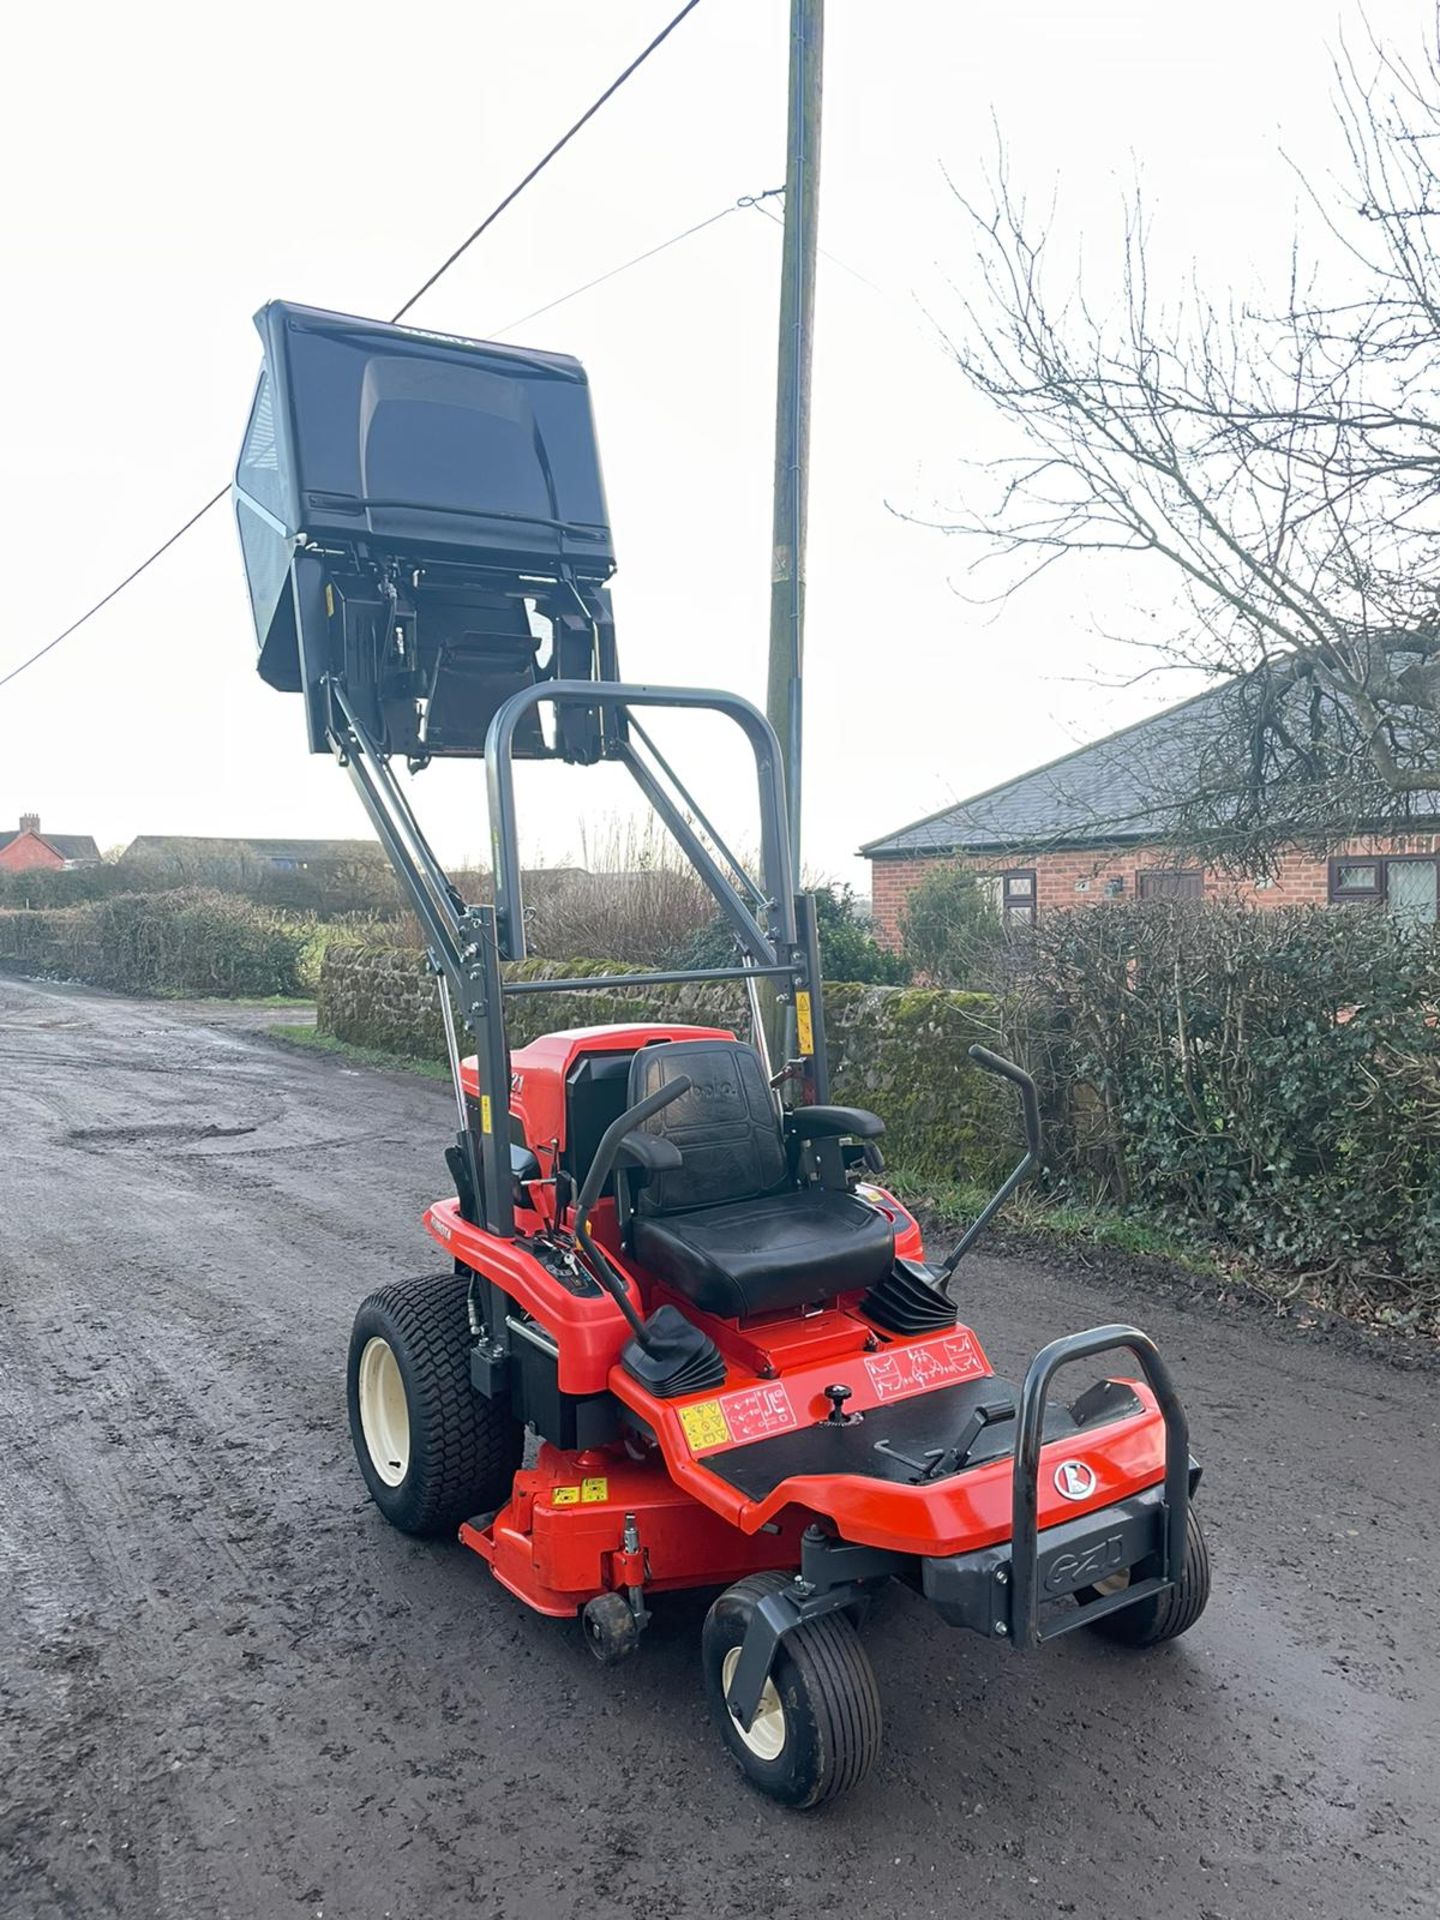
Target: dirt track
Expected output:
[227,1689]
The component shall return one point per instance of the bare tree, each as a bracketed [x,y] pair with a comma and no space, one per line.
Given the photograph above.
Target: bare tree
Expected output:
[1284,466]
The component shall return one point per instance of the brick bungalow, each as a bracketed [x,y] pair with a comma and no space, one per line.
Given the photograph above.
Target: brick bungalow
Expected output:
[24,849]
[1089,827]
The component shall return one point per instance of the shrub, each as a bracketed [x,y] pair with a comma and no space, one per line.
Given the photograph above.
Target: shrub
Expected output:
[41,888]
[194,940]
[635,899]
[950,931]
[848,947]
[327,883]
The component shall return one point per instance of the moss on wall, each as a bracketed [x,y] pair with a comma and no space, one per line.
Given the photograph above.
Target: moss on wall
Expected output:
[900,1051]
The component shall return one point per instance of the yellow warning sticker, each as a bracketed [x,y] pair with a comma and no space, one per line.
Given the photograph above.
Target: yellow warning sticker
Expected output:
[565,1496]
[804,1032]
[594,1490]
[329,600]
[705,1425]
[485,1122]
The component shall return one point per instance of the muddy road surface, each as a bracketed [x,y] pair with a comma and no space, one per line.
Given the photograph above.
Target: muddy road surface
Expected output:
[227,1689]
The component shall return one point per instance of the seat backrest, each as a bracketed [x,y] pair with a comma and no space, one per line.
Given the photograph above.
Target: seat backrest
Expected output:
[726,1126]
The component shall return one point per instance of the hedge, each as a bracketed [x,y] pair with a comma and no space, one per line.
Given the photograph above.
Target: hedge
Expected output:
[1275,1075]
[193,940]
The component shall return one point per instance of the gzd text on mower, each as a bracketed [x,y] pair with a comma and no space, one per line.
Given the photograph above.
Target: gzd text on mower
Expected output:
[667,1260]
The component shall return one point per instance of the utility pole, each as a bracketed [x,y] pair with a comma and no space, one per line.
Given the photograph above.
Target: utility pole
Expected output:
[792,400]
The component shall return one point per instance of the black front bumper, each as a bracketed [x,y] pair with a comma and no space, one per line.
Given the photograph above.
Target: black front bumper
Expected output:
[977,1590]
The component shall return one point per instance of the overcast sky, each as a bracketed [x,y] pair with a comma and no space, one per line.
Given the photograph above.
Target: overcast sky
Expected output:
[169,168]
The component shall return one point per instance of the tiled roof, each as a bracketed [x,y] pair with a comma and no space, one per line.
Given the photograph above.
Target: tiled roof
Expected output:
[69,846]
[172,846]
[1127,787]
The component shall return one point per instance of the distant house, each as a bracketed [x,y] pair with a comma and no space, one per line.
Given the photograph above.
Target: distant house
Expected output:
[1091,826]
[23,849]
[188,855]
[340,876]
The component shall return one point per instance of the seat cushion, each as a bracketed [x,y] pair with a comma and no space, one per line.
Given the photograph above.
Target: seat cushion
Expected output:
[763,1255]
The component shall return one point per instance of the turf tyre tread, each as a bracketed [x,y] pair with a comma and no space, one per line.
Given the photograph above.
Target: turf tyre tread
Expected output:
[1165,1617]
[828,1687]
[464,1449]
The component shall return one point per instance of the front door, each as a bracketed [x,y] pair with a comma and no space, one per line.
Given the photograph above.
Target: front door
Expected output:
[1412,890]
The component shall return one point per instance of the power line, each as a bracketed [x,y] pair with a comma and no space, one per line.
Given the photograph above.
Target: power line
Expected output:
[540,165]
[509,200]
[134,574]
[735,206]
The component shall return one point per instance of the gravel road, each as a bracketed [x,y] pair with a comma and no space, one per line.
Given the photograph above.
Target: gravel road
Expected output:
[227,1689]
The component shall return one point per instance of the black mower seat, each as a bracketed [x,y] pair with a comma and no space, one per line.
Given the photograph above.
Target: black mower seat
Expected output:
[728,1229]
[760,1256]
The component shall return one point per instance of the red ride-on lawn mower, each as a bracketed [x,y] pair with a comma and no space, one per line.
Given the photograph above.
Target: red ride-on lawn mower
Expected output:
[668,1260]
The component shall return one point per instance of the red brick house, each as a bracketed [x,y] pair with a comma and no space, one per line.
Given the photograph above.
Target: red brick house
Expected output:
[25,848]
[1091,825]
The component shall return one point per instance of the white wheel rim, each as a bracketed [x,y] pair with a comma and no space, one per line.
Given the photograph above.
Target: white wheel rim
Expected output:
[384,1415]
[766,1737]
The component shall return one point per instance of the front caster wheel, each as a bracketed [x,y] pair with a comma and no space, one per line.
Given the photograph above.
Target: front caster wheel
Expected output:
[612,1632]
[817,1729]
[1166,1615]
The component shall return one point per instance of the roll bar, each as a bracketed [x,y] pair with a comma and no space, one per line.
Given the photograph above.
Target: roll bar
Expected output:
[762,944]
[466,943]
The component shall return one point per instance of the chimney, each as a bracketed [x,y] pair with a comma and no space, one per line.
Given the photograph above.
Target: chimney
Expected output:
[30,823]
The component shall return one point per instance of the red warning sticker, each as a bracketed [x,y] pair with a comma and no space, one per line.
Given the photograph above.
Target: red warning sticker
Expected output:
[758,1411]
[913,1369]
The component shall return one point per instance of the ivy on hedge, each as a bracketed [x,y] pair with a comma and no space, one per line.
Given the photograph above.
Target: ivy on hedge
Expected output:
[1273,1074]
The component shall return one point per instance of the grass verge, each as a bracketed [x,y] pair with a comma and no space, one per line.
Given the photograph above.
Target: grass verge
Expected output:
[313,1041]
[1071,1224]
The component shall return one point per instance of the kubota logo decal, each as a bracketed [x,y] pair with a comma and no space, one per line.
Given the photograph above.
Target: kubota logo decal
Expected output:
[1074,1479]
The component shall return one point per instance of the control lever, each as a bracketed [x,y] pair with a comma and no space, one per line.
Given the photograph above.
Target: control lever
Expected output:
[1030,1111]
[987,1413]
[605,1157]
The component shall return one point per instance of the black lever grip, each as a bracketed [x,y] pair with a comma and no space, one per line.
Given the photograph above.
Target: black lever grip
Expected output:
[1029,1096]
[609,1147]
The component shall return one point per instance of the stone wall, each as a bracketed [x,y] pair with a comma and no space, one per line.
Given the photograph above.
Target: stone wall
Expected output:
[900,1051]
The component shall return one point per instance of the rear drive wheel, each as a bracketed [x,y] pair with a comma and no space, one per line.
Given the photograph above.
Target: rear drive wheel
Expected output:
[433,1451]
[817,1729]
[1164,1616]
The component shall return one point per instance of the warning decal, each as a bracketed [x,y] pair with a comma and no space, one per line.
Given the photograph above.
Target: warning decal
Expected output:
[565,1497]
[749,1415]
[705,1425]
[760,1410]
[594,1490]
[804,1028]
[909,1370]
